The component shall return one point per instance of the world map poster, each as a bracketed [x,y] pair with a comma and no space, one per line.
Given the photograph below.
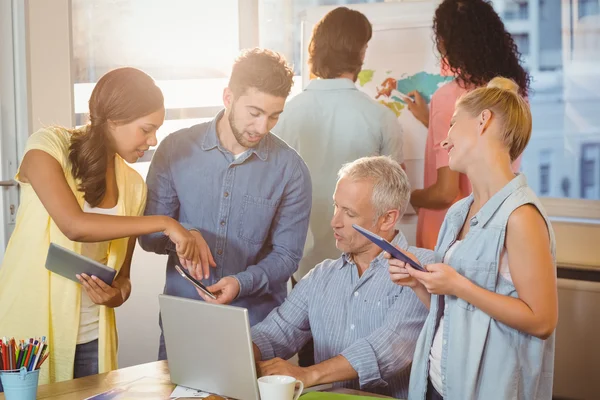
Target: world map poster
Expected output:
[401,59]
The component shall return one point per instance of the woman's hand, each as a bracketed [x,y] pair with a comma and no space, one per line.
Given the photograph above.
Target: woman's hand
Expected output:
[192,250]
[185,243]
[102,294]
[206,258]
[440,279]
[419,107]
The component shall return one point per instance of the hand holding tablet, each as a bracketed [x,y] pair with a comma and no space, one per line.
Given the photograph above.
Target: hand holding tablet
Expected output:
[70,264]
[390,248]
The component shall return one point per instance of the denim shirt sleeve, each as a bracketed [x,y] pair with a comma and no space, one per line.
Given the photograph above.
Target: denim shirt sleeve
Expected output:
[388,350]
[392,137]
[288,234]
[283,333]
[162,199]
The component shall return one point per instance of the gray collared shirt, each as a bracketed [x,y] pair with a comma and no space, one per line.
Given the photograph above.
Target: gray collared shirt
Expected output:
[252,211]
[369,320]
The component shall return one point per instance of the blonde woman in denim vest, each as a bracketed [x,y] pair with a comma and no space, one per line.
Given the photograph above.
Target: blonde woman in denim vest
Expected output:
[492,294]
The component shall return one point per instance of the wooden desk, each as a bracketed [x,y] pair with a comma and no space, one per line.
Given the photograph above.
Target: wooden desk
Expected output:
[156,373]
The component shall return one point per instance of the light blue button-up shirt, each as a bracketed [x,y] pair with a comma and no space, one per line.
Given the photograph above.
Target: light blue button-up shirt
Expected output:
[252,211]
[332,123]
[483,358]
[369,320]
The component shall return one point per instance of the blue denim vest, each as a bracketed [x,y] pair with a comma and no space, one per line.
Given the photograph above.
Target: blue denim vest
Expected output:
[481,357]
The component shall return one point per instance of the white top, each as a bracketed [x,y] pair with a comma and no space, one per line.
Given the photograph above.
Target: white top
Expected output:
[236,156]
[435,356]
[90,312]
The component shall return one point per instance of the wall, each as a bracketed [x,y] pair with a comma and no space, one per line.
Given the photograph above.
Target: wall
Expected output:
[137,319]
[49,63]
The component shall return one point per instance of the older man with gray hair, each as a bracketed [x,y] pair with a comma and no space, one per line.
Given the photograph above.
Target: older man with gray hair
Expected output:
[364,327]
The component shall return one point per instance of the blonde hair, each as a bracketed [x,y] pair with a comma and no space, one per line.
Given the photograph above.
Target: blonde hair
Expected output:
[502,98]
[391,188]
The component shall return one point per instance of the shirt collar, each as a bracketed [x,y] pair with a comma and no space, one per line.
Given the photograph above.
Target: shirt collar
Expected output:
[399,240]
[211,140]
[490,207]
[331,84]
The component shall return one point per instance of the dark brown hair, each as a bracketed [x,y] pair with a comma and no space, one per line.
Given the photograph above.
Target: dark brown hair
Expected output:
[261,69]
[476,45]
[337,43]
[120,96]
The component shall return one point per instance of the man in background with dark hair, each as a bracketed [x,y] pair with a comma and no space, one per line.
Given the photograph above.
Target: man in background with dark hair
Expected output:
[238,186]
[332,123]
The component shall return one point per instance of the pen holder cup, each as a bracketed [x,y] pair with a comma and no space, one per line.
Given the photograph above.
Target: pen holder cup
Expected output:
[21,384]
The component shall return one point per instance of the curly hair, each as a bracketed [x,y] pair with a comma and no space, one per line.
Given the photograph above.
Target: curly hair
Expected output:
[472,39]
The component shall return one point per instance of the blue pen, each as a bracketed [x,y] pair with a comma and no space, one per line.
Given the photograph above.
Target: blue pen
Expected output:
[21,354]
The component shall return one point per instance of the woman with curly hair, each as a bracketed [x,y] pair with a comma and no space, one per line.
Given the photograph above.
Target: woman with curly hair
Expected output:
[475,47]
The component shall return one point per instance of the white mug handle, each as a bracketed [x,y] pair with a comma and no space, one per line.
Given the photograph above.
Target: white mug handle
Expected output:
[299,390]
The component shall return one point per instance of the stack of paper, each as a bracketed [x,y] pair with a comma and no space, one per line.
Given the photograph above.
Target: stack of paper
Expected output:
[182,391]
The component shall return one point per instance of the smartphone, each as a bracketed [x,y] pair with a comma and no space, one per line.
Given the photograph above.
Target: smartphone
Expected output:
[390,248]
[184,272]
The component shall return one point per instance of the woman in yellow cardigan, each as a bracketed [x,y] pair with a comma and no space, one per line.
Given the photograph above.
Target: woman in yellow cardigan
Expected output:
[78,192]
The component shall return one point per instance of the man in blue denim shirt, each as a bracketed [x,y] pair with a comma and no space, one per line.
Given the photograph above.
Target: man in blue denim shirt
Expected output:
[239,188]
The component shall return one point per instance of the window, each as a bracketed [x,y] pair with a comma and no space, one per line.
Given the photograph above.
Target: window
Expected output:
[515,9]
[590,171]
[187,46]
[545,172]
[564,97]
[522,41]
[588,7]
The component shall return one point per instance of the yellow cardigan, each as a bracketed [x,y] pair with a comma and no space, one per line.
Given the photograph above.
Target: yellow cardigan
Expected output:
[35,302]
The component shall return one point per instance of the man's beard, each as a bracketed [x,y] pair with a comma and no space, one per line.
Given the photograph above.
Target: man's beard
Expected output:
[239,136]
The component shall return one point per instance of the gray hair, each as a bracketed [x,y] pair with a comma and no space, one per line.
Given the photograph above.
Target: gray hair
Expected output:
[391,188]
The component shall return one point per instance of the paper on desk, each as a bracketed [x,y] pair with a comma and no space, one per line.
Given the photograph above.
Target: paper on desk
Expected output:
[182,391]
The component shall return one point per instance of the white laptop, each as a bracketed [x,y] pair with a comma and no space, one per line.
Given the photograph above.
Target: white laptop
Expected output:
[209,347]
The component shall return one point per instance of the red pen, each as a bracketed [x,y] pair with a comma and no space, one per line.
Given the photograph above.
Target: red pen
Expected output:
[13,351]
[9,354]
[28,354]
[3,354]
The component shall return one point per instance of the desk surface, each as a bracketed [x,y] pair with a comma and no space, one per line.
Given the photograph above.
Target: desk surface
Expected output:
[156,373]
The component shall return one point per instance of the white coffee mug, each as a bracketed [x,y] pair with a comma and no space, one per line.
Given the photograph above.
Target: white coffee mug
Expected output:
[279,387]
